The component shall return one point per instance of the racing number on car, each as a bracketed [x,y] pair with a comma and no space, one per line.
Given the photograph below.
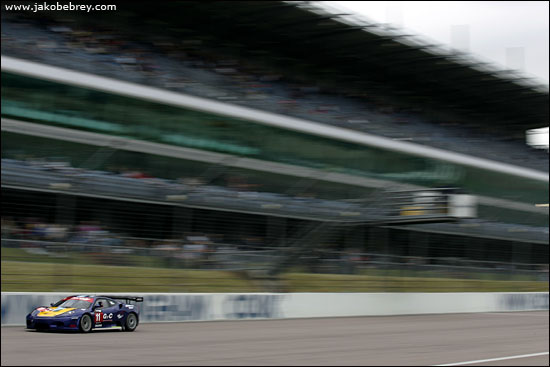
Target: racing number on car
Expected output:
[98,317]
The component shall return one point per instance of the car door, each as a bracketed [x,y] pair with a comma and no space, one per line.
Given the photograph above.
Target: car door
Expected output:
[109,313]
[104,313]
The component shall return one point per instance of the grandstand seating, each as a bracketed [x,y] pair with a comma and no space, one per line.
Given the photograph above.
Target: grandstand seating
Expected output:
[187,70]
[43,175]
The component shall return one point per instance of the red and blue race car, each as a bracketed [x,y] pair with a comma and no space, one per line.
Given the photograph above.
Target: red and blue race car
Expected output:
[84,313]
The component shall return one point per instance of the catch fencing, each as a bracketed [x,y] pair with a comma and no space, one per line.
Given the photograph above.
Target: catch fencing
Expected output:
[228,257]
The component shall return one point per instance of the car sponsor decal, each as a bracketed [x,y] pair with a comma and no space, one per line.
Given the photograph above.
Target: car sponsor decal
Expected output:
[103,317]
[54,312]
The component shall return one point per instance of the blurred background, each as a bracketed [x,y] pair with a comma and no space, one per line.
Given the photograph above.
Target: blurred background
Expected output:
[210,146]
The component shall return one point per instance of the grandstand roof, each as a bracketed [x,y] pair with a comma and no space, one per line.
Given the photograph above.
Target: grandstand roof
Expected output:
[348,49]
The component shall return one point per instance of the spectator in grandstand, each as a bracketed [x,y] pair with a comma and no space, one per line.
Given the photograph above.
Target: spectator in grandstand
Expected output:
[88,233]
[109,239]
[136,174]
[191,182]
[10,231]
[37,230]
[196,250]
[168,250]
[56,233]
[89,227]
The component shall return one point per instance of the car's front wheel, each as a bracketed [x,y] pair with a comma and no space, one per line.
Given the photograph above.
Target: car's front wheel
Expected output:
[85,324]
[131,322]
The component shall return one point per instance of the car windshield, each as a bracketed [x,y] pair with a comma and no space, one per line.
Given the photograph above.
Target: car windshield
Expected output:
[74,303]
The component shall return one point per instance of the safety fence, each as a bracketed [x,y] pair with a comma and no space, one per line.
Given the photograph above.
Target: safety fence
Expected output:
[230,257]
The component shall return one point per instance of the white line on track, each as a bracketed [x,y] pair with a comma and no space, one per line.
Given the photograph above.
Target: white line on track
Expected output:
[518,313]
[493,359]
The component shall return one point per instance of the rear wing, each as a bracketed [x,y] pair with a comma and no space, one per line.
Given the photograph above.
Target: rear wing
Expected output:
[126,298]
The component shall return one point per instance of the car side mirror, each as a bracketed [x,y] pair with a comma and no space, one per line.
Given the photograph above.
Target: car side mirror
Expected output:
[95,307]
[120,305]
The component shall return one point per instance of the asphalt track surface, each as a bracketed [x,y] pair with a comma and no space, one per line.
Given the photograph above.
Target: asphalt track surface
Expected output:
[377,341]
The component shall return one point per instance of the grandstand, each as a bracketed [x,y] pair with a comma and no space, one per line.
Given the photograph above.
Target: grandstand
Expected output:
[268,120]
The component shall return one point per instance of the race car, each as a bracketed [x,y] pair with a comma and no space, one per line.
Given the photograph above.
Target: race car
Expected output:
[84,313]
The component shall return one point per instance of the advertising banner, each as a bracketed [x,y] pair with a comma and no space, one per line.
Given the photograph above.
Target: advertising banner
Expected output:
[178,307]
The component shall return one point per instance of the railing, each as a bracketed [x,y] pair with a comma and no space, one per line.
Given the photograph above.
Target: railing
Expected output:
[103,184]
[402,206]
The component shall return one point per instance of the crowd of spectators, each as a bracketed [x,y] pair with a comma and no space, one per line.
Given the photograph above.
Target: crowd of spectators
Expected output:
[199,250]
[193,67]
[38,229]
[194,250]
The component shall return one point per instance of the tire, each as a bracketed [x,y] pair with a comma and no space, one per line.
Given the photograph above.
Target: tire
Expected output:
[131,322]
[85,324]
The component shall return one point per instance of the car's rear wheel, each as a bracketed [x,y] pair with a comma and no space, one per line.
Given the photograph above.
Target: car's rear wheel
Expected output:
[131,322]
[85,324]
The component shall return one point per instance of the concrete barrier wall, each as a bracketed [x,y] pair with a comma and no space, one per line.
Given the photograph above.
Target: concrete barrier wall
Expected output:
[172,307]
